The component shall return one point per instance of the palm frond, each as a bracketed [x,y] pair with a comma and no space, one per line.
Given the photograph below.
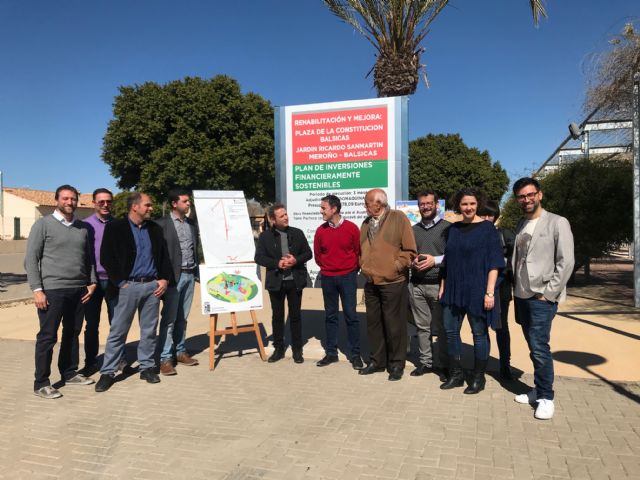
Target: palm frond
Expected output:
[537,10]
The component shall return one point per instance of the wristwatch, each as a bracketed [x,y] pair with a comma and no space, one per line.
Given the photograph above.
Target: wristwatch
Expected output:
[490,295]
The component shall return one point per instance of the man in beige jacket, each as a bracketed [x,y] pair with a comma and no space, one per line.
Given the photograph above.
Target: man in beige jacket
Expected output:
[387,248]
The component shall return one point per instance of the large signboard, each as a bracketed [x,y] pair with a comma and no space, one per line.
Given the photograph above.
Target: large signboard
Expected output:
[342,148]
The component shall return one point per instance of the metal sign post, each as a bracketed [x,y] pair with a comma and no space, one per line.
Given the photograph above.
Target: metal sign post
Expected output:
[636,188]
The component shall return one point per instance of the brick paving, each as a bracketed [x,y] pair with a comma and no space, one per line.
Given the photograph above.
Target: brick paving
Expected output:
[253,420]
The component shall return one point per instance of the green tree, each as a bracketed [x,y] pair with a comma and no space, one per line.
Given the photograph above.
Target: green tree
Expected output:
[596,196]
[192,133]
[396,29]
[445,164]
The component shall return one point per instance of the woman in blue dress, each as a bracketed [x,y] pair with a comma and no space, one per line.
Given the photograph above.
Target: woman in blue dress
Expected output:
[472,260]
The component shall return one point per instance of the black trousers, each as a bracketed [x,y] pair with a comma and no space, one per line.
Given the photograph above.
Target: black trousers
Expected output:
[64,306]
[294,301]
[387,312]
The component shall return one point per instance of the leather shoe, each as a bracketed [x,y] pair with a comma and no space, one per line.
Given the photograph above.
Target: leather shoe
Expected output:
[371,368]
[421,370]
[327,360]
[185,359]
[104,383]
[149,375]
[166,368]
[395,374]
[297,356]
[356,363]
[278,354]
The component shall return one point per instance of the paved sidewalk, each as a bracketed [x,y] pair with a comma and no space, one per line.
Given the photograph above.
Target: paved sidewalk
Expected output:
[253,420]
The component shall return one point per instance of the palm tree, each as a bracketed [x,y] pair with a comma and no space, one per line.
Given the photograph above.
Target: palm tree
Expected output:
[396,28]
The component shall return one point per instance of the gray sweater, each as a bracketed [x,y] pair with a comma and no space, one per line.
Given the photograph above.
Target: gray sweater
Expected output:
[58,256]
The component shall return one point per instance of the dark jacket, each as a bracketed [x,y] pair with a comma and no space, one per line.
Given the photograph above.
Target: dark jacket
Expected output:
[118,252]
[173,244]
[269,253]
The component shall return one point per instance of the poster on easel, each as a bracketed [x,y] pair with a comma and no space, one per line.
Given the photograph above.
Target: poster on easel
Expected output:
[230,288]
[225,227]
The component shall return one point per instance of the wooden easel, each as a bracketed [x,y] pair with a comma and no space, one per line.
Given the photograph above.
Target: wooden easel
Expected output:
[235,330]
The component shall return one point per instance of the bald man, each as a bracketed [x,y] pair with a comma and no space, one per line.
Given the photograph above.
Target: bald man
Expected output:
[387,247]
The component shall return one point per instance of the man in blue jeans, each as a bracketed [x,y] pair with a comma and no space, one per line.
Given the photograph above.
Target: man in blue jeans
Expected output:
[181,235]
[542,265]
[336,248]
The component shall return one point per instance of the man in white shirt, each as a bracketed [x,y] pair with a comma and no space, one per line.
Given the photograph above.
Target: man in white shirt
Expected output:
[542,265]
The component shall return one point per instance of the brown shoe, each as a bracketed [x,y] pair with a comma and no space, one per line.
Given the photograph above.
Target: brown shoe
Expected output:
[186,359]
[166,368]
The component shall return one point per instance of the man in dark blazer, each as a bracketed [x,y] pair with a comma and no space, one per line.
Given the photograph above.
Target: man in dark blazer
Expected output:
[284,251]
[134,255]
[181,235]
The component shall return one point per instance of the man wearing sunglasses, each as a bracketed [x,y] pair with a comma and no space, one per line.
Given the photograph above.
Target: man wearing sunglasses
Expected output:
[542,264]
[96,223]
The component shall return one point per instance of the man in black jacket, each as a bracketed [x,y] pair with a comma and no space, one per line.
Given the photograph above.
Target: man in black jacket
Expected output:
[181,235]
[284,251]
[134,255]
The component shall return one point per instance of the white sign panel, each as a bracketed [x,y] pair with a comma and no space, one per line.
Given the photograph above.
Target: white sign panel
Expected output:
[340,148]
[230,288]
[225,228]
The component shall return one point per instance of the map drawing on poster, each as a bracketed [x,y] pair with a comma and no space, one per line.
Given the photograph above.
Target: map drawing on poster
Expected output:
[230,288]
[341,148]
[225,228]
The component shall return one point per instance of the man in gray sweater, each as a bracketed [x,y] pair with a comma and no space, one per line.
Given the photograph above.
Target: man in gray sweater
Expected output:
[62,277]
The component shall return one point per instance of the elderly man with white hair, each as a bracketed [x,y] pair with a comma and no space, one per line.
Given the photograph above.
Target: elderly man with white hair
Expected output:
[387,247]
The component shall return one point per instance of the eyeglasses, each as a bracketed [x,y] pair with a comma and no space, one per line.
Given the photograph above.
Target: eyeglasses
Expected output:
[104,202]
[526,196]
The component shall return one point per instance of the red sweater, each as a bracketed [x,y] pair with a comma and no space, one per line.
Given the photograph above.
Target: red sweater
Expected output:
[336,250]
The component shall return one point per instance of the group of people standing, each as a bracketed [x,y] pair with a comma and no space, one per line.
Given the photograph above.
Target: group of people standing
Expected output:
[131,264]
[439,270]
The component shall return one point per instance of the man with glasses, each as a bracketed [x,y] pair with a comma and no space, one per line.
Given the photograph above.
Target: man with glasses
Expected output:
[431,239]
[102,204]
[542,264]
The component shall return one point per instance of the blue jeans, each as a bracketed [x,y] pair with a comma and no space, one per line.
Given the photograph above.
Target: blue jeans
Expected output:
[345,288]
[92,311]
[175,309]
[132,297]
[535,317]
[452,318]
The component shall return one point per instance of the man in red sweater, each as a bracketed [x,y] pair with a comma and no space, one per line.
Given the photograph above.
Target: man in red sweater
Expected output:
[336,248]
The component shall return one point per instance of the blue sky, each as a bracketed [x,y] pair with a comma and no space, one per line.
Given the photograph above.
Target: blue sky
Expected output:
[504,85]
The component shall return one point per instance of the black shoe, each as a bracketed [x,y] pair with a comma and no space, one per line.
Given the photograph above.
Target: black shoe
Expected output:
[356,363]
[149,375]
[505,373]
[104,383]
[327,360]
[456,375]
[443,374]
[395,374]
[478,381]
[89,369]
[421,370]
[371,368]
[278,354]
[297,356]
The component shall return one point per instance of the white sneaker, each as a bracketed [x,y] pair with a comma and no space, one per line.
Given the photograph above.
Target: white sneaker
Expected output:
[545,409]
[47,392]
[531,397]
[79,379]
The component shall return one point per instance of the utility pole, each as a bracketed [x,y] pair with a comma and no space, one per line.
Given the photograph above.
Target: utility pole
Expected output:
[636,188]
